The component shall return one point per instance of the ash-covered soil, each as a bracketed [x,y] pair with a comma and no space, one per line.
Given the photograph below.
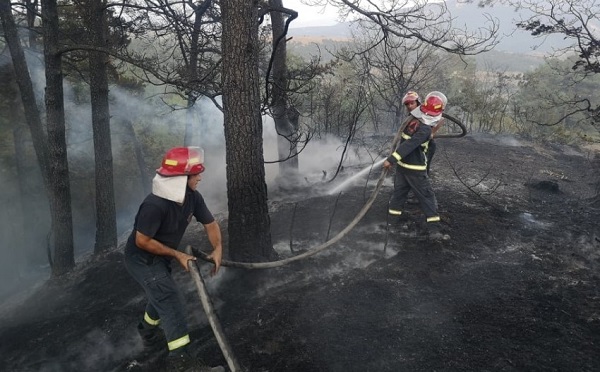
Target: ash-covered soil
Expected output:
[515,288]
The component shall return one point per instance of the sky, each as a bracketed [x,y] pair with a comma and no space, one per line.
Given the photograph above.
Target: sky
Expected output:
[310,16]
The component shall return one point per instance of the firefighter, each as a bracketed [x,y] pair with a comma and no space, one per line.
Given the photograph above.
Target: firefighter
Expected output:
[432,143]
[411,102]
[410,162]
[159,226]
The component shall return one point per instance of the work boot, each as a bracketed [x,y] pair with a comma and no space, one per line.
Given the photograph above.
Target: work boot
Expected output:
[153,337]
[180,360]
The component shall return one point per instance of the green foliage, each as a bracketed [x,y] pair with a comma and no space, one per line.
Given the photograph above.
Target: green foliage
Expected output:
[554,95]
[324,49]
[509,62]
[74,23]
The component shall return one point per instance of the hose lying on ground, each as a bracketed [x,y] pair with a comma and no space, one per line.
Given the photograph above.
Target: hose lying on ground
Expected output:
[341,234]
[205,299]
[335,239]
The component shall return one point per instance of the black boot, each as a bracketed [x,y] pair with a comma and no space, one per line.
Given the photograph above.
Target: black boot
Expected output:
[180,360]
[152,336]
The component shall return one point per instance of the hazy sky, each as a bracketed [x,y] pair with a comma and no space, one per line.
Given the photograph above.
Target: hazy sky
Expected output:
[312,15]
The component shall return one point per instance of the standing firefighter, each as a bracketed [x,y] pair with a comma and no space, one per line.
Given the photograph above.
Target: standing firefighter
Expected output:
[410,158]
[159,227]
[411,102]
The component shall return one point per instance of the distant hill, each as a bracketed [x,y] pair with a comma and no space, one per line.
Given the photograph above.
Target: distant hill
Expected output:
[338,31]
[312,41]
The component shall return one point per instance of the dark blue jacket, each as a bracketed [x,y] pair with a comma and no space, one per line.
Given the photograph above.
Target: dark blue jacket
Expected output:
[411,152]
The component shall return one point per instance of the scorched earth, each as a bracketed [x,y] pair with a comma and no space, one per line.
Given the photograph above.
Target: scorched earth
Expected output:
[515,288]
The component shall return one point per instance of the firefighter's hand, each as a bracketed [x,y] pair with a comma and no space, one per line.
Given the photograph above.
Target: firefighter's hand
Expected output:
[183,259]
[216,256]
[387,165]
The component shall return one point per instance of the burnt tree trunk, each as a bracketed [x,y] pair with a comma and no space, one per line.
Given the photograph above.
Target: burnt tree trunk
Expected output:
[145,176]
[23,78]
[249,223]
[28,100]
[28,193]
[106,216]
[58,168]
[191,126]
[16,224]
[286,131]
[31,15]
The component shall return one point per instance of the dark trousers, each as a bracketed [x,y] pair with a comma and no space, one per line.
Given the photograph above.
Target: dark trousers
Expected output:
[164,303]
[418,182]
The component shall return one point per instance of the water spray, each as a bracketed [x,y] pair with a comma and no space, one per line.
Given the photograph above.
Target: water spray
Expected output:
[349,181]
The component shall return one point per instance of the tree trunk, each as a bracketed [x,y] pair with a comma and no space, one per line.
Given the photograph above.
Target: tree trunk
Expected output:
[249,223]
[286,141]
[28,192]
[58,170]
[32,118]
[106,220]
[21,241]
[32,112]
[145,178]
[191,126]
[397,119]
[32,12]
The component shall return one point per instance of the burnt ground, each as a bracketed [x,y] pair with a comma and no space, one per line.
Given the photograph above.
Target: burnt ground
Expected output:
[516,288]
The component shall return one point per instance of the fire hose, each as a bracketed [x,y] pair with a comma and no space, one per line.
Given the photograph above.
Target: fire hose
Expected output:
[350,226]
[199,282]
[463,129]
[211,315]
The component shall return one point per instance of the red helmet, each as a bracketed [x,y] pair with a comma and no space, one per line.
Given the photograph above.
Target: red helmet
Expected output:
[410,96]
[434,104]
[182,161]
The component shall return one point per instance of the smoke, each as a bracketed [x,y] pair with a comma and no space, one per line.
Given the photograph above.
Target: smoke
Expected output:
[94,351]
[21,263]
[157,127]
[317,162]
[24,216]
[497,139]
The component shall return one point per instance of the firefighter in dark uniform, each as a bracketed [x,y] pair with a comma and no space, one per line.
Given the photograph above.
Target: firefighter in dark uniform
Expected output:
[159,227]
[410,162]
[411,102]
